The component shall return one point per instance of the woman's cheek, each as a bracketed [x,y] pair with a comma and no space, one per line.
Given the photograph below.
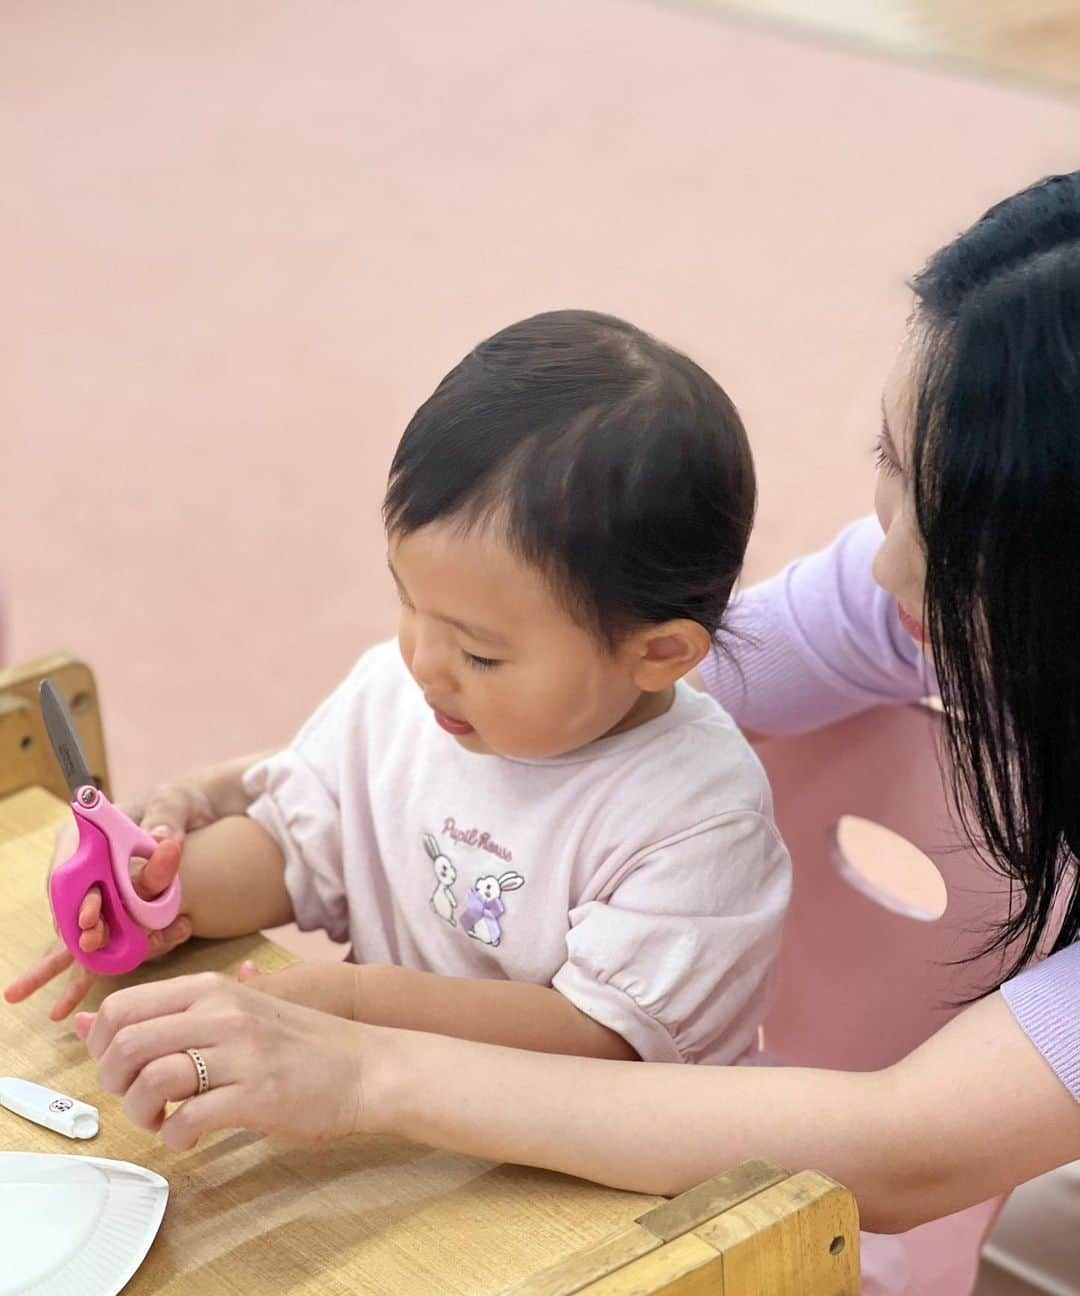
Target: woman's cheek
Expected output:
[882,569]
[888,493]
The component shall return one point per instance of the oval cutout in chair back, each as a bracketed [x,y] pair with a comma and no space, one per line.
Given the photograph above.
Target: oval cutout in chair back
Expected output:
[889,869]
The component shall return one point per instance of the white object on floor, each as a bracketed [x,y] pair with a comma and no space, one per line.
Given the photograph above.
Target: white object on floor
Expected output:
[1034,1249]
[56,1111]
[74,1224]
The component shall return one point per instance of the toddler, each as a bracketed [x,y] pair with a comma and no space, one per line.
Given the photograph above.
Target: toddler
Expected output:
[525,824]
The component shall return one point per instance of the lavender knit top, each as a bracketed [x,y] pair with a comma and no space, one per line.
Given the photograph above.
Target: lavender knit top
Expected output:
[822,641]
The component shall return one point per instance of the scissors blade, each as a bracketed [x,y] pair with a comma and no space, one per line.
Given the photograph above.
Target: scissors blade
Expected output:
[64,737]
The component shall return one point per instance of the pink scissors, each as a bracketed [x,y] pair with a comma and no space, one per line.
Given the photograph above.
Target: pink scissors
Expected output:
[108,841]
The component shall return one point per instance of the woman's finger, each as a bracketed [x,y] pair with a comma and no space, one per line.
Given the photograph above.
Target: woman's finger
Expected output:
[76,990]
[221,1108]
[43,971]
[156,874]
[136,1046]
[139,1003]
[167,1079]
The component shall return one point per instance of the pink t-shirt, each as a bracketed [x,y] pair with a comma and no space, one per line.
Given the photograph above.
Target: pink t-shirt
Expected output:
[641,876]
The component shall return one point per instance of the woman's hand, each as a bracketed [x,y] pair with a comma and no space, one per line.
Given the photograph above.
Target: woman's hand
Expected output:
[274,1067]
[150,878]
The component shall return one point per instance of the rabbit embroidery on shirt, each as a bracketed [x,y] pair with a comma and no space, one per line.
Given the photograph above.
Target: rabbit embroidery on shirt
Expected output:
[443,900]
[484,906]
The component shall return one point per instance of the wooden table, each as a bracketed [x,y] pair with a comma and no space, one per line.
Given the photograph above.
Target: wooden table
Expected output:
[379,1216]
[373,1215]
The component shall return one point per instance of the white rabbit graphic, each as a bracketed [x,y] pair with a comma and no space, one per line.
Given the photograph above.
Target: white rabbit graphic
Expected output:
[484,906]
[443,900]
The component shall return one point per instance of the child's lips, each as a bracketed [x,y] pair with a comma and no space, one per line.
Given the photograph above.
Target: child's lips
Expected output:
[459,728]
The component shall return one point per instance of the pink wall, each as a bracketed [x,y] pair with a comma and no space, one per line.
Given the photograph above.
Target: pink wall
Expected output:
[241,242]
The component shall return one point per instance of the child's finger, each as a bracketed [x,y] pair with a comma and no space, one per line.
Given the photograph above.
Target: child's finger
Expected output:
[40,974]
[158,871]
[83,1023]
[95,939]
[90,909]
[249,975]
[75,992]
[171,811]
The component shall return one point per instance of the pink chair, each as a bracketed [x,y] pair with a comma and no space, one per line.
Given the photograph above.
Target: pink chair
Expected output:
[863,978]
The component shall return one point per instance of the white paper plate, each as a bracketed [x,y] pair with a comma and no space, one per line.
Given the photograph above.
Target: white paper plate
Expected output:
[74,1225]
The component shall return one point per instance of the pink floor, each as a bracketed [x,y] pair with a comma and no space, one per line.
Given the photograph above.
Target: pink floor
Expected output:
[241,242]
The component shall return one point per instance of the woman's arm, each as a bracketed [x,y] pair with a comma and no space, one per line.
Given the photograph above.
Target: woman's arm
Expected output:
[816,643]
[973,1112]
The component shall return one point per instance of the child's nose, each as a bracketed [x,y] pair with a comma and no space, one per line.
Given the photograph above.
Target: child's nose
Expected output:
[430,660]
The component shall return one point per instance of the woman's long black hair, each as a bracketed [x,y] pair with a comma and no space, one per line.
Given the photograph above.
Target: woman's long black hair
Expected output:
[997,493]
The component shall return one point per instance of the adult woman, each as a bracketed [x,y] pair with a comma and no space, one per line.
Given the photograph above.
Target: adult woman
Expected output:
[979,499]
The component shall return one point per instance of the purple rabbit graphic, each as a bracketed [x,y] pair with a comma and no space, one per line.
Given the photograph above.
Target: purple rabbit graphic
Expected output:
[484,906]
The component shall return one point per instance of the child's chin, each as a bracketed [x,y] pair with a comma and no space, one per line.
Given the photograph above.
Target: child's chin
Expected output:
[472,742]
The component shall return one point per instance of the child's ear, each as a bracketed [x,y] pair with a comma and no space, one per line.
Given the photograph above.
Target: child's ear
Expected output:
[663,654]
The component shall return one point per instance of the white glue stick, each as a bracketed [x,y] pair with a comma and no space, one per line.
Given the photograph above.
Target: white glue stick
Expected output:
[56,1111]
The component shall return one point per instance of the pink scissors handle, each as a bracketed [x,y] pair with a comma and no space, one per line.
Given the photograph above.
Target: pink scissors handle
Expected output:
[108,841]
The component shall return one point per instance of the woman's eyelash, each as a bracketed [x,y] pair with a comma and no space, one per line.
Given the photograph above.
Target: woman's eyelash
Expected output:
[884,460]
[481,663]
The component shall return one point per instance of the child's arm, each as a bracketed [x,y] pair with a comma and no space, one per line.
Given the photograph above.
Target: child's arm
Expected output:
[692,931]
[514,1013]
[232,881]
[232,878]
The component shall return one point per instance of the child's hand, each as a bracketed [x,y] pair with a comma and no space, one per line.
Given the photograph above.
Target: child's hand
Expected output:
[329,987]
[150,878]
[273,1067]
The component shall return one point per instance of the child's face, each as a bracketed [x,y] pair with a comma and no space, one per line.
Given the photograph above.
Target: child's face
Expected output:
[502,664]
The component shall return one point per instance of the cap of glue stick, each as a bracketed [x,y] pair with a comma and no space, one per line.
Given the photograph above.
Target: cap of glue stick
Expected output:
[56,1111]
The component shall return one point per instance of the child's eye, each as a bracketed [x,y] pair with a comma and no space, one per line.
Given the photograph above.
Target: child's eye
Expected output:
[481,663]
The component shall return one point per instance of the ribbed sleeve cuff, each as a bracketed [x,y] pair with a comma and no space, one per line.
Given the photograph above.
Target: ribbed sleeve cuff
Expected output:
[1045,1000]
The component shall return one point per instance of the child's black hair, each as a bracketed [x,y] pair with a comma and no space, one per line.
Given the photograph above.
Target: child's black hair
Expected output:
[608,460]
